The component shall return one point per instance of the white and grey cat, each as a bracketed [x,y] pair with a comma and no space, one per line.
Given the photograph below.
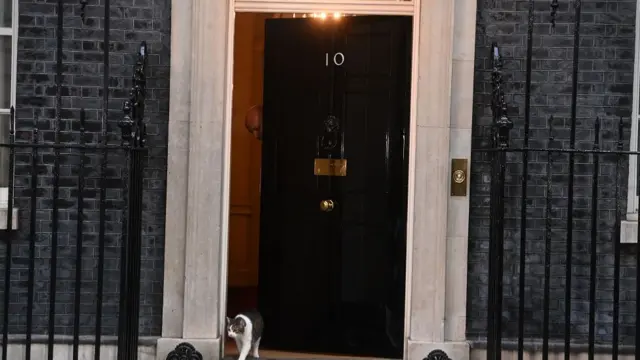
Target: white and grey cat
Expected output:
[246,329]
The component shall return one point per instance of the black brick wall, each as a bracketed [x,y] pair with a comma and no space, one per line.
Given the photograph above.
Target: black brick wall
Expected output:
[604,90]
[132,21]
[605,81]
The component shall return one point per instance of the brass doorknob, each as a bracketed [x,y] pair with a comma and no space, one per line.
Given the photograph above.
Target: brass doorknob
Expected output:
[326,205]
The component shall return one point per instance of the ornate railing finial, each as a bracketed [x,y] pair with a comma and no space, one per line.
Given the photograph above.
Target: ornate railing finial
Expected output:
[134,130]
[554,10]
[83,6]
[501,122]
[184,351]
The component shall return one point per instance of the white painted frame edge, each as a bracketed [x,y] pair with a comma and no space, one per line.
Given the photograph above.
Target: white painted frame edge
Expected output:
[630,225]
[226,174]
[333,5]
[13,32]
[411,187]
[15,24]
[368,7]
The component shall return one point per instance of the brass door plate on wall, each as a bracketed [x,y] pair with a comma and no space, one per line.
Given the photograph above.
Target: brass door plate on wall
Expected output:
[459,176]
[330,167]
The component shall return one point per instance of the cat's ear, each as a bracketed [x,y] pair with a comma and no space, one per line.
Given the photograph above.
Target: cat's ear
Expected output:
[228,320]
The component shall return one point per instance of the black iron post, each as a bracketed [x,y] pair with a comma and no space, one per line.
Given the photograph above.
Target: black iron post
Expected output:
[134,138]
[502,125]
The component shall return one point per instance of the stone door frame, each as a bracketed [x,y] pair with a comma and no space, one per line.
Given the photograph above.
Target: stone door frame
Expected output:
[196,236]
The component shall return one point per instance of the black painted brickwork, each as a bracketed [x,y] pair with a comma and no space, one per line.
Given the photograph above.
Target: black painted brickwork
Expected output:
[605,82]
[132,21]
[604,90]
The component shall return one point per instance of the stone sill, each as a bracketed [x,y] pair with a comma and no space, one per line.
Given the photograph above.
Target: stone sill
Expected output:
[4,211]
[629,231]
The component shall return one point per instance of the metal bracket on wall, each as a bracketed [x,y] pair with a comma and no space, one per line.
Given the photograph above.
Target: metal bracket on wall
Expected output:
[459,177]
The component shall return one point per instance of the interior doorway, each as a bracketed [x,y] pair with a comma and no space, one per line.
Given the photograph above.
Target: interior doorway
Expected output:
[317,227]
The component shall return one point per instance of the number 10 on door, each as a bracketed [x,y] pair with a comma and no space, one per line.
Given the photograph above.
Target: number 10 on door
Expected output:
[338,59]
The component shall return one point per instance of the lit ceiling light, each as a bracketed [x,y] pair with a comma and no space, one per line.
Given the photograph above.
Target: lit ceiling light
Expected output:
[324,15]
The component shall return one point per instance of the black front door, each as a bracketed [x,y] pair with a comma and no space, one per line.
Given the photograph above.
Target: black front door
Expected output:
[332,247]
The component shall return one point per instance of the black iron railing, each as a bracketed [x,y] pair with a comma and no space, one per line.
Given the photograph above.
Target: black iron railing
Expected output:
[80,196]
[584,228]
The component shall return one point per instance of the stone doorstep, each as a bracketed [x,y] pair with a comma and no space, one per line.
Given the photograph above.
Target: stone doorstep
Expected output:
[284,355]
